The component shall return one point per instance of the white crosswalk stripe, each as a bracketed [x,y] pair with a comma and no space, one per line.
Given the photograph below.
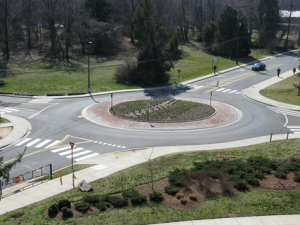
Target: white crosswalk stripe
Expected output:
[43,100]
[33,142]
[60,149]
[191,86]
[78,154]
[86,157]
[285,111]
[54,143]
[24,141]
[70,151]
[43,143]
[228,91]
[294,129]
[8,110]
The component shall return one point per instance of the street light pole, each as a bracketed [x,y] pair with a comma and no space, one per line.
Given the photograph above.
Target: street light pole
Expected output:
[238,33]
[290,17]
[89,78]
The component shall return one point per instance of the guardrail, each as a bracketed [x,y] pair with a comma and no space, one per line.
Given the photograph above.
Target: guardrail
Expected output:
[17,179]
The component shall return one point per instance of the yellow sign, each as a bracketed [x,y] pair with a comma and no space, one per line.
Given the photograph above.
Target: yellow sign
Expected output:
[217,84]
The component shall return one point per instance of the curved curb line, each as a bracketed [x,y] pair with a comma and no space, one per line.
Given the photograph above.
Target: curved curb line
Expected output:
[21,128]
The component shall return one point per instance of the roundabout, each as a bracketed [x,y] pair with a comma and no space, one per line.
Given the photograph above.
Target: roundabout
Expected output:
[156,119]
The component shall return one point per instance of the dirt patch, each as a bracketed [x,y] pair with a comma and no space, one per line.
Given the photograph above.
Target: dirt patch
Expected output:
[203,187]
[5,131]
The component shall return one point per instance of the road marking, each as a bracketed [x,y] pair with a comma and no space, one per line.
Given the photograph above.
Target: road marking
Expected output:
[238,93]
[87,156]
[285,111]
[227,90]
[78,154]
[70,151]
[54,143]
[61,149]
[43,143]
[232,91]
[221,89]
[11,109]
[43,100]
[22,142]
[33,142]
[30,117]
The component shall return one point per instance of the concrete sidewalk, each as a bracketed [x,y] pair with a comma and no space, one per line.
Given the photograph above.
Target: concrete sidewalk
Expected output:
[253,92]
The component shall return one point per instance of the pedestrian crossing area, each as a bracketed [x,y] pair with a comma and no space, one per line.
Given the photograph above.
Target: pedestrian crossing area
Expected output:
[8,110]
[42,100]
[294,129]
[285,111]
[191,86]
[229,91]
[78,153]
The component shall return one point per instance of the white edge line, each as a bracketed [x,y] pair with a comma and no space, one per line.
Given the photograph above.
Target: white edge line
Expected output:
[41,111]
[286,120]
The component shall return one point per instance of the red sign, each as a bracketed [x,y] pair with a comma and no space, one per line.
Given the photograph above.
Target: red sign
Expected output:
[17,179]
[72,144]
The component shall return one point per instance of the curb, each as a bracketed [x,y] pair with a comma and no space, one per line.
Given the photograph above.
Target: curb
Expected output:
[21,128]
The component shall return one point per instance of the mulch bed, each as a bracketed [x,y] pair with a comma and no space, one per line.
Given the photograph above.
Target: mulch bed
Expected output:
[209,188]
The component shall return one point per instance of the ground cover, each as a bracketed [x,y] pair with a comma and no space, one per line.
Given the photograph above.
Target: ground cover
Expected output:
[41,76]
[254,202]
[162,110]
[283,91]
[3,120]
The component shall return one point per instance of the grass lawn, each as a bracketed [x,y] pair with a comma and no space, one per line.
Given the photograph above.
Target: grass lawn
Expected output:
[283,91]
[251,203]
[3,120]
[41,77]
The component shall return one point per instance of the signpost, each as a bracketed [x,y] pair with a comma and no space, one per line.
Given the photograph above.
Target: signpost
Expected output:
[72,145]
[217,85]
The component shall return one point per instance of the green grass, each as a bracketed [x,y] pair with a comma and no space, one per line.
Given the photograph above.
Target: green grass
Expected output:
[3,120]
[252,203]
[41,77]
[275,91]
[65,171]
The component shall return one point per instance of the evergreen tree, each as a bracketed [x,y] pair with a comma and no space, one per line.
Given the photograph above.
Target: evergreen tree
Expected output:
[268,20]
[100,9]
[208,33]
[228,30]
[157,51]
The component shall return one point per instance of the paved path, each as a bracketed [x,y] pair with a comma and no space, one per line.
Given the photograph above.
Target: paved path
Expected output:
[26,194]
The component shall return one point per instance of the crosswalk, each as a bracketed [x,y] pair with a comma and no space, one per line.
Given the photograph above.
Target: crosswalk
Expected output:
[191,86]
[78,153]
[42,100]
[8,110]
[39,143]
[294,129]
[229,91]
[285,111]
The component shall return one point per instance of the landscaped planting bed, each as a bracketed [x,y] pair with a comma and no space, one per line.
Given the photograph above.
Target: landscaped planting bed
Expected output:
[162,110]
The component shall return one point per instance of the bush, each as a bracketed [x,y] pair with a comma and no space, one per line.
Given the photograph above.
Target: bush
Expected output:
[259,175]
[183,200]
[117,201]
[63,203]
[241,185]
[297,177]
[252,180]
[156,196]
[67,212]
[82,206]
[134,196]
[171,189]
[102,205]
[280,174]
[175,176]
[2,83]
[193,197]
[53,209]
[93,199]
[179,195]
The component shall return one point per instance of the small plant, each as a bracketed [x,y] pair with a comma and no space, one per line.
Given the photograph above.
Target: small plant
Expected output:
[67,212]
[117,201]
[241,185]
[280,174]
[193,197]
[183,200]
[179,195]
[52,209]
[156,196]
[134,196]
[63,203]
[102,205]
[82,206]
[297,177]
[171,189]
[93,199]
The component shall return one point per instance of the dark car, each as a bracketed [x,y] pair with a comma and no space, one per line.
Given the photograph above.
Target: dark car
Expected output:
[259,66]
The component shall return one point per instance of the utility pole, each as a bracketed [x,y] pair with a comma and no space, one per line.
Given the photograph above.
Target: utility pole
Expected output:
[238,33]
[287,37]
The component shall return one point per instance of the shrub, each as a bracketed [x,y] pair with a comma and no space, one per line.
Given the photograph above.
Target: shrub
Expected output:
[134,196]
[156,196]
[82,206]
[252,180]
[93,199]
[193,197]
[183,200]
[259,175]
[241,185]
[297,177]
[2,83]
[171,189]
[175,176]
[67,212]
[63,203]
[102,205]
[53,209]
[280,174]
[293,165]
[179,195]
[117,201]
